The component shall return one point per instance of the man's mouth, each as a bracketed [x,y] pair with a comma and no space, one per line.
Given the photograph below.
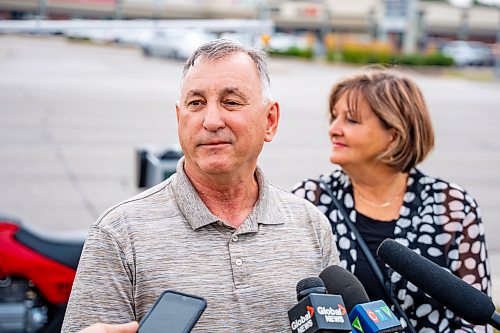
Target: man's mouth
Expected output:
[214,143]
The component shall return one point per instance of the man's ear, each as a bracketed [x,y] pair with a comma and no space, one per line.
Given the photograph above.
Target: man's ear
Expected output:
[177,111]
[273,117]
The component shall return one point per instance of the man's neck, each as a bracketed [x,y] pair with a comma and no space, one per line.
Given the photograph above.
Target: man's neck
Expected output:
[229,199]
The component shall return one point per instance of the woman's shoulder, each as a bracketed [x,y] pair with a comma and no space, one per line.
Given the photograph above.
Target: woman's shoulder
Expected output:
[335,179]
[440,188]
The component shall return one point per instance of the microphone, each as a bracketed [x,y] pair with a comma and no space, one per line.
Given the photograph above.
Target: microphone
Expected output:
[317,311]
[339,281]
[365,316]
[458,296]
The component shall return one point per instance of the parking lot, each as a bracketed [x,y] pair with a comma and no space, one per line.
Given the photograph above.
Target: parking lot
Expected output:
[73,115]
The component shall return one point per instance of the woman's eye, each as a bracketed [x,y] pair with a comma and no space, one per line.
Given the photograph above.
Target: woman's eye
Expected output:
[352,121]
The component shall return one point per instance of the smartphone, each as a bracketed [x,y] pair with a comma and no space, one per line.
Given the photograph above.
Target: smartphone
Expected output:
[173,312]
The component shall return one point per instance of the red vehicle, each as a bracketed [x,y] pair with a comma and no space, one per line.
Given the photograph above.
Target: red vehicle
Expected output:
[36,275]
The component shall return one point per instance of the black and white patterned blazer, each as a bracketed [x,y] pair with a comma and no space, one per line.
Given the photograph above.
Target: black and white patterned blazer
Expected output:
[438,220]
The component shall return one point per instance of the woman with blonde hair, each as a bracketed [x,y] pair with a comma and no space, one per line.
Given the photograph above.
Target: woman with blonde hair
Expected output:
[380,130]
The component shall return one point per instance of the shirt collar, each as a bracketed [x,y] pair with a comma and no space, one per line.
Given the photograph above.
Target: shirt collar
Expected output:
[198,215]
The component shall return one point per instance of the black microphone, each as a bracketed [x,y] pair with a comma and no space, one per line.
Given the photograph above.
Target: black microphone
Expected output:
[458,296]
[317,311]
[339,281]
[365,316]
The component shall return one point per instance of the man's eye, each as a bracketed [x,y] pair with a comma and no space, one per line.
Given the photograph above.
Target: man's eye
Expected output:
[232,103]
[195,103]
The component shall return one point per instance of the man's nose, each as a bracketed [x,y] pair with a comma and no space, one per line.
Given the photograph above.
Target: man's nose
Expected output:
[214,119]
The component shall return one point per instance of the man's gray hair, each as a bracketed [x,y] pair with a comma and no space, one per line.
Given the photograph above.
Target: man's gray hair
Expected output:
[221,48]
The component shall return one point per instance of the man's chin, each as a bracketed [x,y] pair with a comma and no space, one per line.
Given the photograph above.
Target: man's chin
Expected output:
[215,166]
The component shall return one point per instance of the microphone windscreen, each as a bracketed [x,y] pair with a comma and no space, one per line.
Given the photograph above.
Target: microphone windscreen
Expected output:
[310,285]
[310,282]
[339,281]
[458,296]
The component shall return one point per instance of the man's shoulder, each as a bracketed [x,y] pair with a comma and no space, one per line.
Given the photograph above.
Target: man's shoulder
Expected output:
[288,201]
[304,218]
[146,203]
[285,196]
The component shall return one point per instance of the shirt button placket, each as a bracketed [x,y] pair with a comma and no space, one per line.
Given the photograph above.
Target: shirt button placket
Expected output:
[238,265]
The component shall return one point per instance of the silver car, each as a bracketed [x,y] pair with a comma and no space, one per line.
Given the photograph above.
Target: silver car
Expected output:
[469,53]
[176,44]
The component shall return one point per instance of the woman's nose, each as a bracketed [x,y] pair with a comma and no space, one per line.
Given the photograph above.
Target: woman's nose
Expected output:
[335,128]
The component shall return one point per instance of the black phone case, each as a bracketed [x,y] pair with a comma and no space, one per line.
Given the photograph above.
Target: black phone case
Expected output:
[191,323]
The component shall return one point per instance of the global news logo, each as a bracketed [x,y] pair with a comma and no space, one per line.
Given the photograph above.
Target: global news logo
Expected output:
[304,322]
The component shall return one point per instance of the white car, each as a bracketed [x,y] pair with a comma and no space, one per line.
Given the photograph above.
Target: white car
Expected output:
[176,44]
[248,39]
[136,37]
[469,53]
[282,42]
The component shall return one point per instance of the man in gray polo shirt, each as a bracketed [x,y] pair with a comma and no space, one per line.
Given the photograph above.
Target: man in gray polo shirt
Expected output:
[216,228]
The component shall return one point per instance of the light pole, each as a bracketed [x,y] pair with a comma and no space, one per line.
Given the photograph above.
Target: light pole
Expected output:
[156,9]
[497,46]
[325,25]
[411,31]
[42,9]
[372,23]
[118,15]
[463,30]
[464,5]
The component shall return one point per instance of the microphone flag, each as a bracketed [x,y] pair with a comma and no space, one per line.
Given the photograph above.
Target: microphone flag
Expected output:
[373,317]
[319,313]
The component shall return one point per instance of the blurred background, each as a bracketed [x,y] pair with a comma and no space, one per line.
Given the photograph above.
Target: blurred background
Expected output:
[88,87]
[391,31]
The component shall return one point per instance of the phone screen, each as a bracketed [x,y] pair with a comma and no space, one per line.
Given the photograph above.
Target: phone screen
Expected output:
[173,312]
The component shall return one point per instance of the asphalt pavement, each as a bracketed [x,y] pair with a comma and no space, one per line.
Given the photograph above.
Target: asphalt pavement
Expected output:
[72,116]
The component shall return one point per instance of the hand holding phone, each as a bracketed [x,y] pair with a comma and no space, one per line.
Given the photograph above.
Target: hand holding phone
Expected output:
[111,328]
[173,312]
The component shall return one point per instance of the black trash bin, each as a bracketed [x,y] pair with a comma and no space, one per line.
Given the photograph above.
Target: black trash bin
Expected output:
[156,163]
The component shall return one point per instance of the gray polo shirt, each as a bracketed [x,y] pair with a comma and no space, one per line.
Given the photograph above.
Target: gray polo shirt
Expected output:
[166,238]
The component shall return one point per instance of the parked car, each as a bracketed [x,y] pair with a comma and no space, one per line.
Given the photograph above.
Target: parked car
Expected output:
[469,53]
[248,39]
[282,42]
[98,36]
[136,37]
[176,44]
